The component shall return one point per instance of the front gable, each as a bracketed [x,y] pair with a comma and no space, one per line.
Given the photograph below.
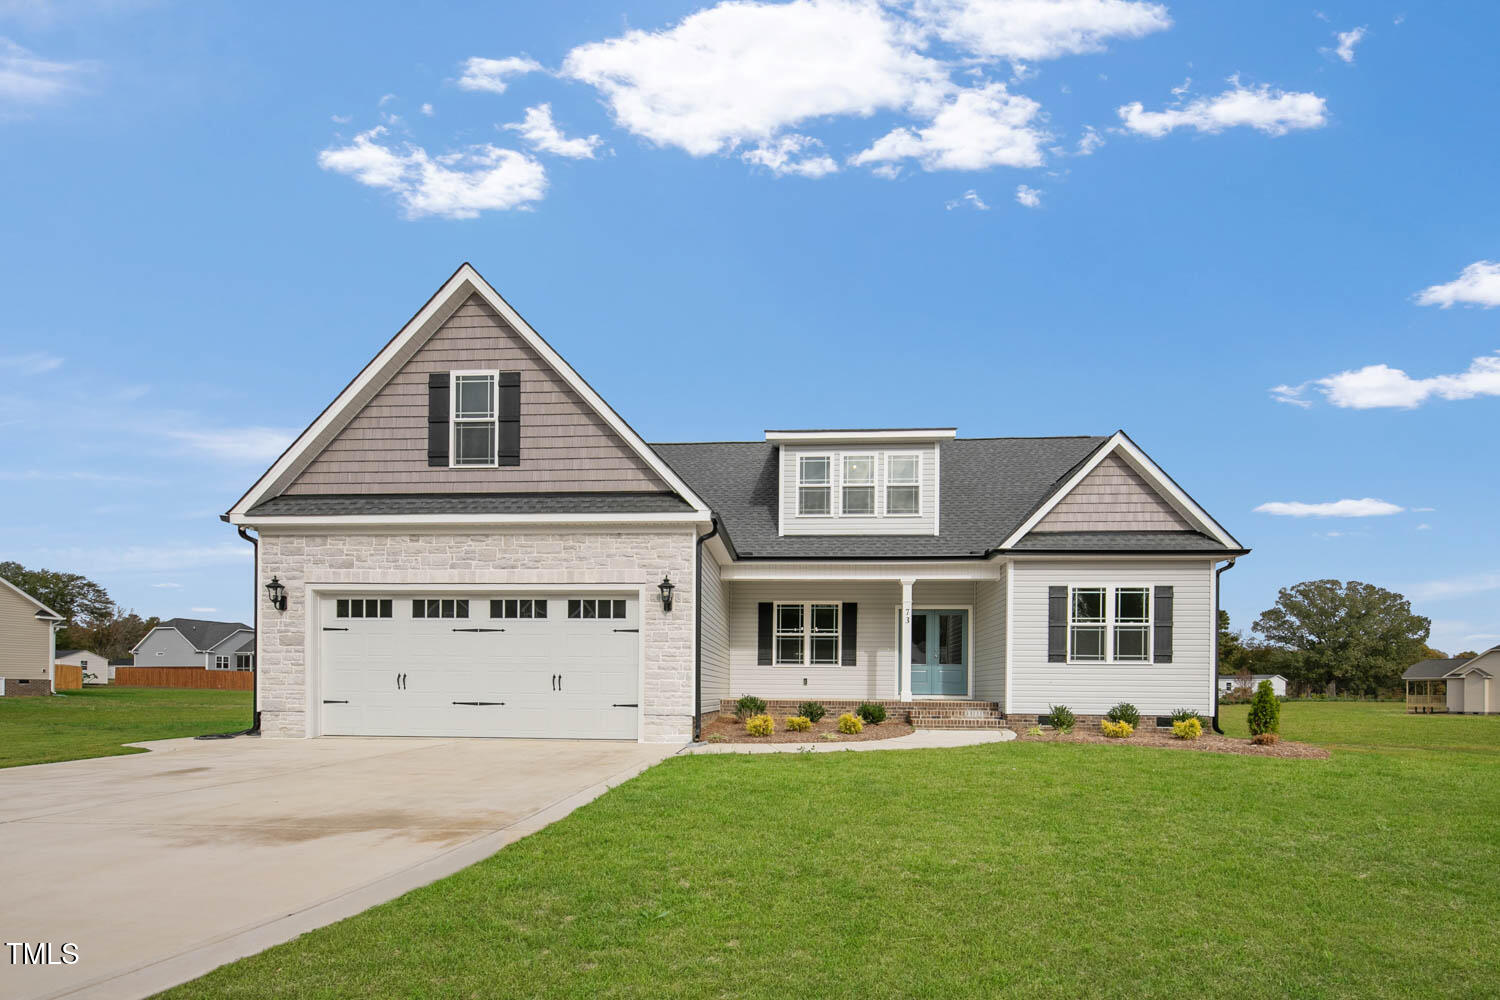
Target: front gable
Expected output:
[1113,497]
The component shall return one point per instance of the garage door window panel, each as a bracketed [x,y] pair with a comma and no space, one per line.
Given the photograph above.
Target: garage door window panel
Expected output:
[440,607]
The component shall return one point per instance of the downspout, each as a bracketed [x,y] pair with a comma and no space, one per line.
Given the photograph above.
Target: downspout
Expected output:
[1218,574]
[698,628]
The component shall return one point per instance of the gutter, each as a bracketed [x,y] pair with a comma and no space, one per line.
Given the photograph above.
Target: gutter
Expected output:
[1218,573]
[698,628]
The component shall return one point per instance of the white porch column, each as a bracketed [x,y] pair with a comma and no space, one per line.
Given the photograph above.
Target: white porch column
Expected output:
[903,649]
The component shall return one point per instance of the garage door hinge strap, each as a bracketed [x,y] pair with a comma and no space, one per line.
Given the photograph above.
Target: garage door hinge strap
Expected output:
[335,701]
[632,704]
[479,703]
[331,628]
[627,630]
[478,630]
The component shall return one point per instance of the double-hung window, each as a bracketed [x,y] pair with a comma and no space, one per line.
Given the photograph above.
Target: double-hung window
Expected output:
[1132,624]
[1109,625]
[475,420]
[221,662]
[858,490]
[1086,624]
[814,485]
[903,484]
[807,633]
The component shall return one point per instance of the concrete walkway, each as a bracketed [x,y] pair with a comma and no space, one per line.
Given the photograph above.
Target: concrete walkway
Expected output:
[922,739]
[162,866]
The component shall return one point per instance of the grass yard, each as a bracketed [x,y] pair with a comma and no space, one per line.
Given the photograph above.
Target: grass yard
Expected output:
[94,722]
[1028,869]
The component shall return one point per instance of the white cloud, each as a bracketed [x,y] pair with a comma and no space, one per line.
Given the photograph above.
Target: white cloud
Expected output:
[245,444]
[1291,394]
[27,79]
[969,199]
[204,611]
[66,476]
[1028,196]
[31,363]
[1424,526]
[1274,112]
[1090,141]
[1460,586]
[167,586]
[493,75]
[742,72]
[1039,29]
[452,186]
[791,155]
[1375,386]
[426,109]
[542,134]
[1347,40]
[1476,285]
[980,128]
[146,558]
[1368,507]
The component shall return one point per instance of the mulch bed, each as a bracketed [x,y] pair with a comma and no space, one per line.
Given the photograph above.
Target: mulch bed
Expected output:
[1209,741]
[734,732]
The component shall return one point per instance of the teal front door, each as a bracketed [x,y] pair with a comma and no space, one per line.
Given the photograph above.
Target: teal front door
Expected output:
[939,653]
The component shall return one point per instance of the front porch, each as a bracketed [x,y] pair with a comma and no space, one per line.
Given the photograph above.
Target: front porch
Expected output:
[1425,697]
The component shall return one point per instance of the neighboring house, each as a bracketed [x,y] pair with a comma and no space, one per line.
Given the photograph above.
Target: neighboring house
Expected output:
[472,542]
[28,642]
[1228,683]
[1470,685]
[193,642]
[89,662]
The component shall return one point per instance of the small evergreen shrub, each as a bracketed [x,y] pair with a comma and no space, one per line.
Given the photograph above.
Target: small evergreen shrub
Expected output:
[1264,739]
[812,711]
[1265,711]
[749,705]
[1034,731]
[798,724]
[1124,712]
[873,714]
[1187,729]
[1184,714]
[1062,719]
[760,725]
[1116,730]
[849,723]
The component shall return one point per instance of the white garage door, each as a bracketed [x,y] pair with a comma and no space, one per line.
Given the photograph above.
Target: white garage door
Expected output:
[541,664]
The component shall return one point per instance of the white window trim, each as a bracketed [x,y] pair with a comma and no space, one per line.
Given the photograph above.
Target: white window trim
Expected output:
[885,496]
[806,633]
[830,458]
[1110,622]
[873,484]
[247,658]
[221,661]
[453,420]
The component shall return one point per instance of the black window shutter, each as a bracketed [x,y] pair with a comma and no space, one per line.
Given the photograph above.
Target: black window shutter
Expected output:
[508,410]
[849,620]
[437,419]
[1057,624]
[763,634]
[1163,626]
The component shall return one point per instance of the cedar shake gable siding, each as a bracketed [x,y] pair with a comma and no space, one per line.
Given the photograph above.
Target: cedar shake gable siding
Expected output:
[565,445]
[1113,497]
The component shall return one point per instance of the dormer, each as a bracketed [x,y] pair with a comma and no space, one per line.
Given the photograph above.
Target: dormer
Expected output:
[859,482]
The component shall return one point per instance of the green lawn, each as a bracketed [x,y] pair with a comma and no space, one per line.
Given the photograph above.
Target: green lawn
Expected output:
[94,722]
[1027,869]
[1382,725]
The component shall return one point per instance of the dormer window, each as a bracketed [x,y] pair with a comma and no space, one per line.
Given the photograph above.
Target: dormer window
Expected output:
[903,484]
[859,484]
[814,486]
[475,418]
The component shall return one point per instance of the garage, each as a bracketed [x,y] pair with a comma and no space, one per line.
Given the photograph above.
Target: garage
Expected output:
[538,664]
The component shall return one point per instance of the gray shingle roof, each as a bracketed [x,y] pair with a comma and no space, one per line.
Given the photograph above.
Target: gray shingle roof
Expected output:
[245,645]
[1426,670]
[310,505]
[1118,541]
[204,635]
[989,487]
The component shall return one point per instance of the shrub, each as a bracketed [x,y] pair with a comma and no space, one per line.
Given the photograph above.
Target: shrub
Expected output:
[1265,711]
[716,738]
[1124,712]
[812,711]
[1264,739]
[760,725]
[1184,714]
[749,705]
[830,735]
[849,723]
[1116,730]
[873,714]
[1061,717]
[798,724]
[1034,731]
[1187,729]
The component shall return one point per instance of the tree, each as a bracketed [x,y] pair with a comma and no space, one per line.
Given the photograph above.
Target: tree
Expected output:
[1265,711]
[1231,647]
[1467,654]
[81,601]
[1352,636]
[115,638]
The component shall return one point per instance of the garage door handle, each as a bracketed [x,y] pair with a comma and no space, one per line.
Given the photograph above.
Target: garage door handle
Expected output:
[479,703]
[621,704]
[479,630]
[335,701]
[627,630]
[330,628]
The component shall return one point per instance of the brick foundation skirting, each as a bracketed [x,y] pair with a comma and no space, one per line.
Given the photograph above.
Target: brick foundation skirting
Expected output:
[32,687]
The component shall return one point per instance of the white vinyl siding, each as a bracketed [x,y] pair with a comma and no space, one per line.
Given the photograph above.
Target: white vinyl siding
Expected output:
[989,640]
[25,640]
[714,637]
[839,523]
[1091,688]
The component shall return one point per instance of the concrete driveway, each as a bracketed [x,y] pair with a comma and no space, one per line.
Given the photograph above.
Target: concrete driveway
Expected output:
[161,866]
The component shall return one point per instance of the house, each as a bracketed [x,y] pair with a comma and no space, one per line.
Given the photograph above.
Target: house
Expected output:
[470,541]
[1228,684]
[1470,685]
[95,668]
[28,641]
[193,642]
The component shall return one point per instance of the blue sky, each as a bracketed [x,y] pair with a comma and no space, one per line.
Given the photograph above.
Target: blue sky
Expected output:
[1254,236]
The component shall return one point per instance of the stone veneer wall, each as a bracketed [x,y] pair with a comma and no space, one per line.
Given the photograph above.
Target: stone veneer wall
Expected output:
[552,557]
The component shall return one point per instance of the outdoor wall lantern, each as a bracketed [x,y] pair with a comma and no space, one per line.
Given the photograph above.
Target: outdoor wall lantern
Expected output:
[277,593]
[666,589]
